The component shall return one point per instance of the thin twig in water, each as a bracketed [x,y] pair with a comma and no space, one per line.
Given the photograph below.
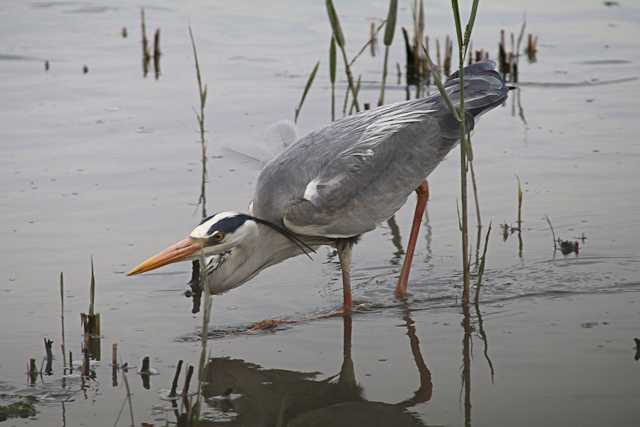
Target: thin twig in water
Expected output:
[364,47]
[202,92]
[126,386]
[124,402]
[92,291]
[355,99]
[477,203]
[520,198]
[482,264]
[553,233]
[176,377]
[346,101]
[62,345]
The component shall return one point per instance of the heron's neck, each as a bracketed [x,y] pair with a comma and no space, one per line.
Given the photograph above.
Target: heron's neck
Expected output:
[246,260]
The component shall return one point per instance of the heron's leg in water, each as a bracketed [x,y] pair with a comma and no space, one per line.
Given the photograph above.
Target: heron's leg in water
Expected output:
[421,204]
[344,248]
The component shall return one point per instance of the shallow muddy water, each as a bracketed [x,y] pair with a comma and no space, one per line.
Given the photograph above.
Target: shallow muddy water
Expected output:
[107,164]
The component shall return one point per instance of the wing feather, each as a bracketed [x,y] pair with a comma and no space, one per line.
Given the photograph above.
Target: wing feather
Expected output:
[369,181]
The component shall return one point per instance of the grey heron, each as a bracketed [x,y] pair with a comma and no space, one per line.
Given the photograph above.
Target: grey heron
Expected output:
[337,183]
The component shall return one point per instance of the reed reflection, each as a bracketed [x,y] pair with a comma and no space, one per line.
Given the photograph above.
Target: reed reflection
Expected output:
[396,238]
[466,363]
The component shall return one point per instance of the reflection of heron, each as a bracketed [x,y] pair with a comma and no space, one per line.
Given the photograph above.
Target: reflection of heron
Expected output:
[335,184]
[288,398]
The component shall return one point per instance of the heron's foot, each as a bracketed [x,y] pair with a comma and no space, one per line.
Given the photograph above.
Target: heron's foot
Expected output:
[342,311]
[269,325]
[346,311]
[401,291]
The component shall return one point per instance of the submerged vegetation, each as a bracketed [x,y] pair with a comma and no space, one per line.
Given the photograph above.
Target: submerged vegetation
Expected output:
[21,409]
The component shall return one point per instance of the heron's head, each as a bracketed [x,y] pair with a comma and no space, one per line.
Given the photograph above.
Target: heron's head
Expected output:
[237,247]
[218,234]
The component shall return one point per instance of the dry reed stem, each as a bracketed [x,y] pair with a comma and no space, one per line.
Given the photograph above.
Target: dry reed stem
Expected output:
[355,99]
[202,92]
[482,264]
[92,291]
[553,233]
[364,46]
[62,344]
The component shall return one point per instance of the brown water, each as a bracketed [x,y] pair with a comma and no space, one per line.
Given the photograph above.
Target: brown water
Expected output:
[107,164]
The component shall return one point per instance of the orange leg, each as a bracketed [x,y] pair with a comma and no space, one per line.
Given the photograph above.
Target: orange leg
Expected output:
[344,254]
[421,204]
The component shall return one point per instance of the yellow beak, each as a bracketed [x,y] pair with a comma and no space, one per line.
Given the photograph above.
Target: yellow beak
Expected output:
[179,251]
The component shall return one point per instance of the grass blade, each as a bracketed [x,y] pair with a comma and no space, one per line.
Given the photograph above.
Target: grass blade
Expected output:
[388,39]
[469,26]
[332,60]
[339,36]
[332,76]
[390,27]
[312,76]
[458,21]
[335,24]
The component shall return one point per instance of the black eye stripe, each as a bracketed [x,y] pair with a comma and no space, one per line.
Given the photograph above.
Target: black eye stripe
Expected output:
[207,218]
[229,224]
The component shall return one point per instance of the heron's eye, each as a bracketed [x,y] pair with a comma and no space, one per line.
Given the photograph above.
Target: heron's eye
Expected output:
[217,236]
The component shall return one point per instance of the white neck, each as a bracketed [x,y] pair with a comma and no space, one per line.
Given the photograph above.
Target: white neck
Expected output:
[263,249]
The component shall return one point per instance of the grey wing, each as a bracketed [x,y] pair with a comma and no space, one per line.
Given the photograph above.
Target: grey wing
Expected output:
[370,180]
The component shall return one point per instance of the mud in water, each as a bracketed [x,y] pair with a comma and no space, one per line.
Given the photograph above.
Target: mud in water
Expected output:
[107,164]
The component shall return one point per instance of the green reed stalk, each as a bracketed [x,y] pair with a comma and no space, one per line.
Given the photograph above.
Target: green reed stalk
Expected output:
[463,185]
[388,39]
[307,86]
[332,76]
[339,36]
[464,145]
[435,71]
